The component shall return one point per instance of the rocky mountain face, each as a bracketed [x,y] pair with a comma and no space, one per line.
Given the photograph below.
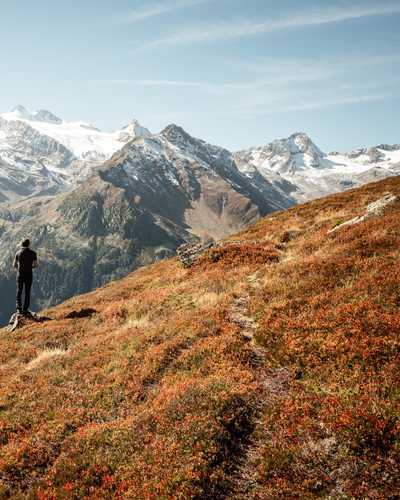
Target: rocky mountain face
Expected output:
[154,194]
[304,172]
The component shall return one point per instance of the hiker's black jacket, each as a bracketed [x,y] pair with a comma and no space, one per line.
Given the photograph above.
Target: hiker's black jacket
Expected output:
[24,260]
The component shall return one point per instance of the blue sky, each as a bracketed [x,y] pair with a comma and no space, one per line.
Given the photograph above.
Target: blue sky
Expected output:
[234,72]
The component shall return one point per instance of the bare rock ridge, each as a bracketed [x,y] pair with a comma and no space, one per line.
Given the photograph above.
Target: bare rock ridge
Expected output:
[188,254]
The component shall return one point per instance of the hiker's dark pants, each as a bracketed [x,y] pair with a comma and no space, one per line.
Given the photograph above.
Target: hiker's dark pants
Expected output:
[24,280]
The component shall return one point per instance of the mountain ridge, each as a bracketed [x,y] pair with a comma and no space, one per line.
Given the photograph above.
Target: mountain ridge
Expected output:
[107,215]
[314,173]
[83,148]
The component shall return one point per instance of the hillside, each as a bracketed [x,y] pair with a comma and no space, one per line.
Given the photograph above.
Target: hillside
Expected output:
[269,369]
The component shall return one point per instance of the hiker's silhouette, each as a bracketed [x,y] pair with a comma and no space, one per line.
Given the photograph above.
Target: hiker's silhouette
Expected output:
[25,261]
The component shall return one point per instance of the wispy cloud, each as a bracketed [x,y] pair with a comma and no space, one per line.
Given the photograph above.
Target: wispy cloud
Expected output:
[314,66]
[154,83]
[156,9]
[323,103]
[224,89]
[275,85]
[270,73]
[243,28]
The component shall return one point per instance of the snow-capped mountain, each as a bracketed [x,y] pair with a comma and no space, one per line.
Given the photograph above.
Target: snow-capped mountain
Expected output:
[155,193]
[43,154]
[305,172]
[194,181]
[119,200]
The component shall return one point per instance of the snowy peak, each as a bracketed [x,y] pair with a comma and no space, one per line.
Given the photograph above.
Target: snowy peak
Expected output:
[175,139]
[298,161]
[132,130]
[84,141]
[284,156]
[69,151]
[300,147]
[389,147]
[42,115]
[300,143]
[176,134]
[20,112]
[383,156]
[192,146]
[375,154]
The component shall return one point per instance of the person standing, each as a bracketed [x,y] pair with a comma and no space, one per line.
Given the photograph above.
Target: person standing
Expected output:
[25,261]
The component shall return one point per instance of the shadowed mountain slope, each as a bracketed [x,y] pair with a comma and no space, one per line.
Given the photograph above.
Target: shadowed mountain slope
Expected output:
[269,369]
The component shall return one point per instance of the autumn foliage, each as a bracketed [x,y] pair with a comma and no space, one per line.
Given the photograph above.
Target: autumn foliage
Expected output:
[158,394]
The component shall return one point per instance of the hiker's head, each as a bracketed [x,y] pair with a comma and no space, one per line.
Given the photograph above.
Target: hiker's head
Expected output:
[25,243]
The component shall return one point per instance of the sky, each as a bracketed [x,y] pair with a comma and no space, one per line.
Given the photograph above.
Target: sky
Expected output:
[236,73]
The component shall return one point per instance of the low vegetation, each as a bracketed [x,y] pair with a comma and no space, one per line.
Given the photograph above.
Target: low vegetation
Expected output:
[158,393]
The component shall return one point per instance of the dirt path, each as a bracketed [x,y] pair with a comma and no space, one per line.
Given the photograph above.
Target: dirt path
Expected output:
[273,382]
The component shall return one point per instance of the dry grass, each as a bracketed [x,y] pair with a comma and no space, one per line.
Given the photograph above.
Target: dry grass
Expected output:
[160,393]
[206,299]
[139,323]
[44,357]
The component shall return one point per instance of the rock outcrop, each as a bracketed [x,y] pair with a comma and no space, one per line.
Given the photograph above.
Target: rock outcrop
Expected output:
[374,209]
[19,320]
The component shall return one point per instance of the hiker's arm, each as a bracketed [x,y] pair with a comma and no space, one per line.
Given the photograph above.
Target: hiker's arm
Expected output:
[15,263]
[34,264]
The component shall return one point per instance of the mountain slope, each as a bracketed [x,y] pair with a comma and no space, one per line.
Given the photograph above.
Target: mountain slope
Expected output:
[153,195]
[268,370]
[310,173]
